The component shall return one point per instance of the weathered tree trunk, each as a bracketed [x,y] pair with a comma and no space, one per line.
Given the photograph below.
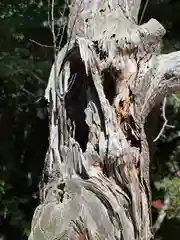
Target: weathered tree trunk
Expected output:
[101,89]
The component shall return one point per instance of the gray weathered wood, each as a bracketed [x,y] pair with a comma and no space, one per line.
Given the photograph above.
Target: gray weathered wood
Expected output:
[110,76]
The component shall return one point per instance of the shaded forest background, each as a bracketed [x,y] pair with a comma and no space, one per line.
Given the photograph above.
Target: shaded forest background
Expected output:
[26,56]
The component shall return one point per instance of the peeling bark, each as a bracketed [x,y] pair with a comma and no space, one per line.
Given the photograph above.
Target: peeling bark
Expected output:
[101,89]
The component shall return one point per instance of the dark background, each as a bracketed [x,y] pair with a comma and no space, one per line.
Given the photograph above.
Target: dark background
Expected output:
[24,71]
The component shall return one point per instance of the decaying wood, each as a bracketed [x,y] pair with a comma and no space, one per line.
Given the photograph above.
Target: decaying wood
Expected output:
[110,75]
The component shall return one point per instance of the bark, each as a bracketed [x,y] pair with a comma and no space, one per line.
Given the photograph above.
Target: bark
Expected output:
[102,87]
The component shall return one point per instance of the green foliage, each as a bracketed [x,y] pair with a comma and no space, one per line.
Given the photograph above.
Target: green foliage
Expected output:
[171,189]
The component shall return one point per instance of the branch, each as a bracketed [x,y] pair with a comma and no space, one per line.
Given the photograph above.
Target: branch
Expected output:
[176,98]
[165,81]
[152,31]
[40,44]
[144,10]
[165,121]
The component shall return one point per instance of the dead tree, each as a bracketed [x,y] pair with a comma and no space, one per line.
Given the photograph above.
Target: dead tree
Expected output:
[101,89]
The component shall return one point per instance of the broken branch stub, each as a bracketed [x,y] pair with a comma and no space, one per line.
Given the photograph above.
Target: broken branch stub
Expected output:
[98,158]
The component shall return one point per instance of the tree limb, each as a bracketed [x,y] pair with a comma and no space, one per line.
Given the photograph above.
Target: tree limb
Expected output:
[165,80]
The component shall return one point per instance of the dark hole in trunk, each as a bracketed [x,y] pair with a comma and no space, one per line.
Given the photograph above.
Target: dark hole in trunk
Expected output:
[76,102]
[109,84]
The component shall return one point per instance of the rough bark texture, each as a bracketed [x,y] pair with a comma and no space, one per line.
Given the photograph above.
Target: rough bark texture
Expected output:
[102,87]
